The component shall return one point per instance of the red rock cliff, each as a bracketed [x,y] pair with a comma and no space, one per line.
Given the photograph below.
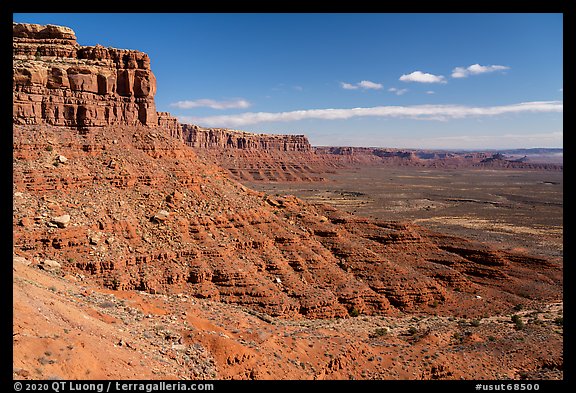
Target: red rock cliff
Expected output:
[199,137]
[57,81]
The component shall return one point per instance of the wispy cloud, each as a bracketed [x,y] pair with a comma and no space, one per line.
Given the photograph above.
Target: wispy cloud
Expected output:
[365,85]
[420,112]
[208,103]
[396,91]
[348,86]
[476,69]
[430,92]
[422,77]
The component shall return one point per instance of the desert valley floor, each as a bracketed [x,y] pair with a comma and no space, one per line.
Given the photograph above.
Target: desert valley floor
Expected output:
[509,208]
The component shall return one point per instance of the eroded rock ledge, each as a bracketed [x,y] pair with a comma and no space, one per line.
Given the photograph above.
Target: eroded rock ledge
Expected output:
[56,81]
[223,138]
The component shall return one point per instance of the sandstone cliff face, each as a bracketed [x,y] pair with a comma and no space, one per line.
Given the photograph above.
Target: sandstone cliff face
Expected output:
[58,82]
[222,138]
[170,124]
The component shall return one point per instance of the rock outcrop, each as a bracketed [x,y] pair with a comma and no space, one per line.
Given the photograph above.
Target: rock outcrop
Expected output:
[170,124]
[56,81]
[255,157]
[222,138]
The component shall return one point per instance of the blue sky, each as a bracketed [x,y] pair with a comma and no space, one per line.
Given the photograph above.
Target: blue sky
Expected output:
[454,81]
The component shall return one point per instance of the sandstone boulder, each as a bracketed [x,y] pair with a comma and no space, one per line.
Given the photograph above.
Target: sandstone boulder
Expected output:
[161,216]
[50,265]
[61,221]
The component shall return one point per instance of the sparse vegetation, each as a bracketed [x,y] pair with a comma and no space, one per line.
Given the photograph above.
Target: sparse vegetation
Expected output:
[413,330]
[379,332]
[475,322]
[518,323]
[559,321]
[354,312]
[518,307]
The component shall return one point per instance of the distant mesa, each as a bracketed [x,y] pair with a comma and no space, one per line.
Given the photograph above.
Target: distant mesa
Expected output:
[220,138]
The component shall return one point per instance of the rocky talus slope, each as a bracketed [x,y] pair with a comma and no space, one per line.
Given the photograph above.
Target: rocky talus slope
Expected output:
[135,209]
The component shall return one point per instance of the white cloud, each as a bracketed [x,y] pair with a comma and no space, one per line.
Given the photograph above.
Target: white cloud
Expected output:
[348,86]
[419,112]
[208,103]
[362,85]
[396,91]
[370,85]
[430,92]
[476,69]
[422,77]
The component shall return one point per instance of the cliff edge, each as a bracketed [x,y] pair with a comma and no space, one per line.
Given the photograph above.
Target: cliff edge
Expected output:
[58,82]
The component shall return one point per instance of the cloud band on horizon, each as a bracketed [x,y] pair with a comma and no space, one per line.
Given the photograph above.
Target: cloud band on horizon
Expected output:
[213,104]
[418,112]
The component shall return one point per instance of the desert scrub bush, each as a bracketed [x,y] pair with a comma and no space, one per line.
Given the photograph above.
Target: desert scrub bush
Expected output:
[457,336]
[412,331]
[379,332]
[518,323]
[354,312]
[475,322]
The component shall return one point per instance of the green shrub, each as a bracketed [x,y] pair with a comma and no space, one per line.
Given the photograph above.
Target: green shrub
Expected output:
[518,324]
[379,332]
[354,312]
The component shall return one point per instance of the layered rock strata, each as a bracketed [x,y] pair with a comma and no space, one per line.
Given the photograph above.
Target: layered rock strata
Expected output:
[56,81]
[143,213]
[223,138]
